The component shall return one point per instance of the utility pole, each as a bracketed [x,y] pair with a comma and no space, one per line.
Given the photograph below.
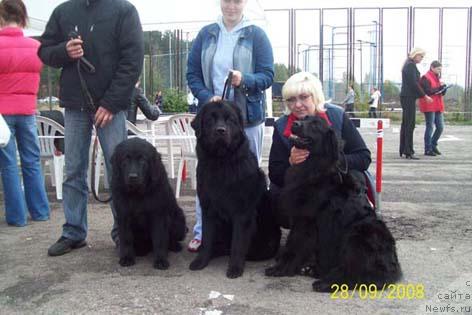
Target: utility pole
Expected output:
[170,60]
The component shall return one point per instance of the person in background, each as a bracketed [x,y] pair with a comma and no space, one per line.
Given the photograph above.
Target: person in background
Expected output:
[349,101]
[374,102]
[158,100]
[433,111]
[20,70]
[108,34]
[410,91]
[233,44]
[303,94]
[139,100]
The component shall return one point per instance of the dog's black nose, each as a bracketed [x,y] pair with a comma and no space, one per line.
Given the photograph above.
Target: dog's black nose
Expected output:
[296,126]
[221,130]
[133,176]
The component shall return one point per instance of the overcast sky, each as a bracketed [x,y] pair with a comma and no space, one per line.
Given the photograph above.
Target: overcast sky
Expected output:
[171,14]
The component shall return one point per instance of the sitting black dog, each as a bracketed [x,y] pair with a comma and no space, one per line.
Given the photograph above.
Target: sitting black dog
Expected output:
[236,213]
[147,213]
[335,234]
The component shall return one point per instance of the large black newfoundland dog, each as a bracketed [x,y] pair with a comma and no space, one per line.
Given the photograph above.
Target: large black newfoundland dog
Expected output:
[335,233]
[236,214]
[148,216]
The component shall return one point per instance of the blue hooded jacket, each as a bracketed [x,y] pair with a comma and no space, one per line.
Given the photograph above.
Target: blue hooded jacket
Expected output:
[252,56]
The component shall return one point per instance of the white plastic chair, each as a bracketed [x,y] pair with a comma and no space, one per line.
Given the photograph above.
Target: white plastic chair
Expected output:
[47,129]
[180,125]
[99,162]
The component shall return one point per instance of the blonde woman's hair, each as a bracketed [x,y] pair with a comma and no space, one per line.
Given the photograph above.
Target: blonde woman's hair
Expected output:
[304,83]
[416,51]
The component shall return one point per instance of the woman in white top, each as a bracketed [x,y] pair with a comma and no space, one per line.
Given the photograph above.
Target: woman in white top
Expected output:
[374,102]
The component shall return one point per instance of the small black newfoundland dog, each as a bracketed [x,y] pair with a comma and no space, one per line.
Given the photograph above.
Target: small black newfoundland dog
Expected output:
[148,216]
[236,212]
[336,236]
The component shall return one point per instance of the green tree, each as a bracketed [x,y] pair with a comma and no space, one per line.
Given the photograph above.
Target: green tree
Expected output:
[281,72]
[391,91]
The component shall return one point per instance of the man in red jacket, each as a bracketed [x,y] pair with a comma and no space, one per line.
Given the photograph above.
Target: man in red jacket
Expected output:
[433,111]
[108,34]
[19,83]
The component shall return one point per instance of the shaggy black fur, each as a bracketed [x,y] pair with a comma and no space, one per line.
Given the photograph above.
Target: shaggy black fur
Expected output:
[147,213]
[236,214]
[335,233]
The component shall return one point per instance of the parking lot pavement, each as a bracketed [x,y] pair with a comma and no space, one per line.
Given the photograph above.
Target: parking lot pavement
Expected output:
[426,204]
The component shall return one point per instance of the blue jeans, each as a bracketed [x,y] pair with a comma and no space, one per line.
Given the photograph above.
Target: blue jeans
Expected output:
[78,131]
[24,136]
[255,136]
[436,118]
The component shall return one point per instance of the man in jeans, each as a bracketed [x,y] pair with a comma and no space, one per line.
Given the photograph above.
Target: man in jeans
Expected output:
[108,34]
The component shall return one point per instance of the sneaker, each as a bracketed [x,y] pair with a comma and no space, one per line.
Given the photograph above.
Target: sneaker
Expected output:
[194,245]
[435,150]
[430,153]
[64,245]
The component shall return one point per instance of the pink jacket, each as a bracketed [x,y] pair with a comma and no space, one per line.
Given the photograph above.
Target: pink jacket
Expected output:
[19,72]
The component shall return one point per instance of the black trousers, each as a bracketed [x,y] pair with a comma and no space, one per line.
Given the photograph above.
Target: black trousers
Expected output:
[350,110]
[408,124]
[372,112]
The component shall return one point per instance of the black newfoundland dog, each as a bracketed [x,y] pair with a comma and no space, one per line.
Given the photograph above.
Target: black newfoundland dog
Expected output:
[335,235]
[236,213]
[148,216]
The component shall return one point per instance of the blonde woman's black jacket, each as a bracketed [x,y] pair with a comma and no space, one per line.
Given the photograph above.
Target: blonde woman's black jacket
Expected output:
[113,43]
[411,80]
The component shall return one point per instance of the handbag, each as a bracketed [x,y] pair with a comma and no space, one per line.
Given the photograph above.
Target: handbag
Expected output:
[5,133]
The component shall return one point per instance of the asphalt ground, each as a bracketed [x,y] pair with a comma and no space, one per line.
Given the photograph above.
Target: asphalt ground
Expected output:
[426,204]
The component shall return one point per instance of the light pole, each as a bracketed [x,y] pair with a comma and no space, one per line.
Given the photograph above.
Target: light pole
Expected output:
[374,79]
[360,63]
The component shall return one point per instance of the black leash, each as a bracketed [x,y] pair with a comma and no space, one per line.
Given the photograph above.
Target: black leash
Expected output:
[227,86]
[93,108]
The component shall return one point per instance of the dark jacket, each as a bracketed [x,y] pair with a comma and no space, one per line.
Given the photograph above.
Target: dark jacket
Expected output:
[357,153]
[139,100]
[252,56]
[113,43]
[411,80]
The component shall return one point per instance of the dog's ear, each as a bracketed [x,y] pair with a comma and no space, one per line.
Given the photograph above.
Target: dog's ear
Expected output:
[115,160]
[238,113]
[156,170]
[331,145]
[197,123]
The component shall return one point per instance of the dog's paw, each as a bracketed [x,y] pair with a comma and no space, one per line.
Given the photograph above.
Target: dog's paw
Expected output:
[175,247]
[322,286]
[234,272]
[127,261]
[279,271]
[161,264]
[198,264]
[309,271]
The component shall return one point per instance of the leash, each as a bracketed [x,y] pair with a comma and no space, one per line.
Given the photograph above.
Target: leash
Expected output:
[93,108]
[227,86]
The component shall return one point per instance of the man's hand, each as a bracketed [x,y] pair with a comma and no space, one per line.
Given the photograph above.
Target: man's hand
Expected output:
[298,156]
[102,117]
[237,78]
[215,98]
[74,48]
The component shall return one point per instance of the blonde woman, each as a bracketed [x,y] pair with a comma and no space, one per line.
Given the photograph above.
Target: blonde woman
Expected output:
[411,90]
[303,94]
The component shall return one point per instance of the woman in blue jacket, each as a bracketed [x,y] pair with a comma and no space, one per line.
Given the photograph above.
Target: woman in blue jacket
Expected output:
[234,44]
